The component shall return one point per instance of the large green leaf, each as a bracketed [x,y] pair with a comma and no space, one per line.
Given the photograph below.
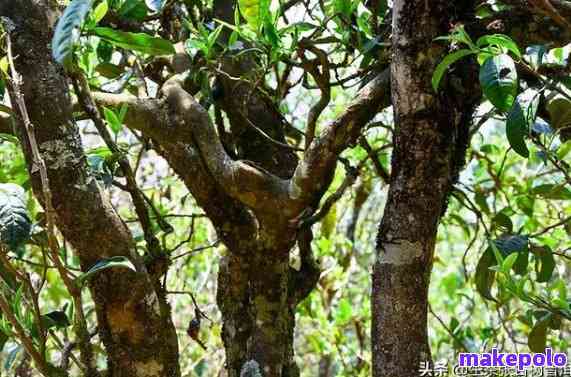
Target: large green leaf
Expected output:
[254,12]
[498,78]
[113,262]
[66,32]
[484,276]
[445,63]
[140,42]
[15,225]
[520,118]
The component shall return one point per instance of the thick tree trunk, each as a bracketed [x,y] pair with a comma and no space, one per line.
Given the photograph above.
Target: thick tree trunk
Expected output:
[257,295]
[133,315]
[431,137]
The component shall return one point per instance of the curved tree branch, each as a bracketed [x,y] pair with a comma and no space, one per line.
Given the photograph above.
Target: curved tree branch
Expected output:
[314,173]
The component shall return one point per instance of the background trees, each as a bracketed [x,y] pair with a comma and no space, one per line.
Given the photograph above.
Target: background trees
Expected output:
[275,121]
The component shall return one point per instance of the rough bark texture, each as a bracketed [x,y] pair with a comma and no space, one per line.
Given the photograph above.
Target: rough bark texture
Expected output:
[256,202]
[133,315]
[431,137]
[256,197]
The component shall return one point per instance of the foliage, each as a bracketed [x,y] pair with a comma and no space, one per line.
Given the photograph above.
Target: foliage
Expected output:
[502,267]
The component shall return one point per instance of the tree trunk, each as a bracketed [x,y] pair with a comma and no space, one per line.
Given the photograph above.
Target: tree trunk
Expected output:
[431,137]
[133,315]
[257,295]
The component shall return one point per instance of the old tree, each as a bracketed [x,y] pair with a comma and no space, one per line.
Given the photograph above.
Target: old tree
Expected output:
[268,113]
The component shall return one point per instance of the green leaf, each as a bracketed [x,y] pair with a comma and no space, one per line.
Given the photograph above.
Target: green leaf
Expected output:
[344,312]
[499,81]
[520,119]
[551,191]
[445,63]
[537,339]
[113,262]
[140,42]
[254,12]
[502,220]
[135,10]
[9,138]
[461,36]
[113,120]
[499,40]
[15,225]
[544,263]
[558,56]
[484,276]
[99,12]
[56,318]
[509,262]
[559,109]
[66,33]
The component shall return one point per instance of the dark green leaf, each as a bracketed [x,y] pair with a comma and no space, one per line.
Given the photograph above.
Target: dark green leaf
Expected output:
[66,32]
[520,119]
[537,339]
[559,109]
[445,63]
[135,10]
[140,42]
[484,276]
[499,81]
[57,319]
[502,220]
[544,263]
[113,262]
[15,225]
[553,192]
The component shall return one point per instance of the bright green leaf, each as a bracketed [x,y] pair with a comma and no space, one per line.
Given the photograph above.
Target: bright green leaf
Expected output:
[140,42]
[445,64]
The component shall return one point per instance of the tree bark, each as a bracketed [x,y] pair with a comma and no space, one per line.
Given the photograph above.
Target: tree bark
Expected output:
[431,137]
[133,315]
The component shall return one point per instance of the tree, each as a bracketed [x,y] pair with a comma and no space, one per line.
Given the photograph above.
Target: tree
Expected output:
[207,87]
[259,198]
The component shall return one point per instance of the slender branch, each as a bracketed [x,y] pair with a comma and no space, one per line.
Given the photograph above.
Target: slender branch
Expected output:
[84,94]
[27,342]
